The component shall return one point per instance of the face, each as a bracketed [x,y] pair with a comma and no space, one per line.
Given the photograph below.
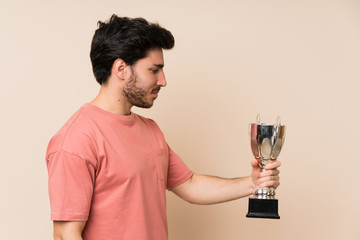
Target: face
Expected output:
[147,78]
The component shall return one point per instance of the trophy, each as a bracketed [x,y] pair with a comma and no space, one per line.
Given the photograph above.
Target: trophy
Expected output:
[266,143]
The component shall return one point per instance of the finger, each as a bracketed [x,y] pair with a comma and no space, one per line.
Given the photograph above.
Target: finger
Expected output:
[267,179]
[270,183]
[266,173]
[273,165]
[254,163]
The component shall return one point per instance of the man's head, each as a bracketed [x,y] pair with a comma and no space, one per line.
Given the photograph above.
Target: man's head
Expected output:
[127,39]
[145,80]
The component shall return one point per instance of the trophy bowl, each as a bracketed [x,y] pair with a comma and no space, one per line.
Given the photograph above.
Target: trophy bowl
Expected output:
[266,143]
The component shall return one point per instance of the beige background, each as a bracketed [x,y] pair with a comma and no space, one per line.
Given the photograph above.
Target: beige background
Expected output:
[233,59]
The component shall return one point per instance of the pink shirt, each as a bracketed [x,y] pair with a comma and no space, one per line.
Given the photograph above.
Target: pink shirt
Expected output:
[112,171]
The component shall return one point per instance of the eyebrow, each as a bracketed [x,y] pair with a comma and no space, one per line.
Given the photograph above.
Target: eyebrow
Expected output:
[159,65]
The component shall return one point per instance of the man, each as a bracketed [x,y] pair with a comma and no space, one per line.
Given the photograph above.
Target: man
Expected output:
[109,167]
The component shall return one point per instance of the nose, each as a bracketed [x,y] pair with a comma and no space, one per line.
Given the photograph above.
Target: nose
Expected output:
[161,79]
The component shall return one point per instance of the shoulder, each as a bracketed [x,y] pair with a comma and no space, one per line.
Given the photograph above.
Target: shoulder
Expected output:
[74,136]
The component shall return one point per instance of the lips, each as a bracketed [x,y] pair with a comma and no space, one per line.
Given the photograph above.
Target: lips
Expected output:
[156,91]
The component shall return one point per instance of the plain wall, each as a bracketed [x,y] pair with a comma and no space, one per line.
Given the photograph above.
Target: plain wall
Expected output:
[232,60]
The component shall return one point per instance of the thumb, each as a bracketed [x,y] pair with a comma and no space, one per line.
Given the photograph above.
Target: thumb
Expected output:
[254,163]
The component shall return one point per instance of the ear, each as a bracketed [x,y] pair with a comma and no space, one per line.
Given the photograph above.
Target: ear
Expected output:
[118,68]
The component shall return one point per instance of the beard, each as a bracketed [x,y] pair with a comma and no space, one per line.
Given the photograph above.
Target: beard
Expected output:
[136,95]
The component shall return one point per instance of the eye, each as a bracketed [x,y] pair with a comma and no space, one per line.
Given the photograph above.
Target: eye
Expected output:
[154,71]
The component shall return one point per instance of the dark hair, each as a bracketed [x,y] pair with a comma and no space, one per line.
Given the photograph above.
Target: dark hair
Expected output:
[125,38]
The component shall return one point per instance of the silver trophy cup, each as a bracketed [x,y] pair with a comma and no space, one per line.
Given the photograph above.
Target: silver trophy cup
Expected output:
[266,143]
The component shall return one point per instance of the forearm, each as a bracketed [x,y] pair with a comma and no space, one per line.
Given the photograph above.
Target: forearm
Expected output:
[66,230]
[202,189]
[71,237]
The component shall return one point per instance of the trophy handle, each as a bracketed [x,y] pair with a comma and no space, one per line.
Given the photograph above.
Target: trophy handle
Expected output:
[278,120]
[258,118]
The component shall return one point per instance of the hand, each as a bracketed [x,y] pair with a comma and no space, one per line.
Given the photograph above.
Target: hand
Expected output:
[269,177]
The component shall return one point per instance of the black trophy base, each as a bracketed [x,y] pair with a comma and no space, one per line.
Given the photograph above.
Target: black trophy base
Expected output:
[263,208]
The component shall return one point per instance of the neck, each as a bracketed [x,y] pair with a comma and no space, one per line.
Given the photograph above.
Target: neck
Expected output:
[112,100]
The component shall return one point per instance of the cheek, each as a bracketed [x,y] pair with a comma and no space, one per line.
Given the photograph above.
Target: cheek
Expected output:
[147,82]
